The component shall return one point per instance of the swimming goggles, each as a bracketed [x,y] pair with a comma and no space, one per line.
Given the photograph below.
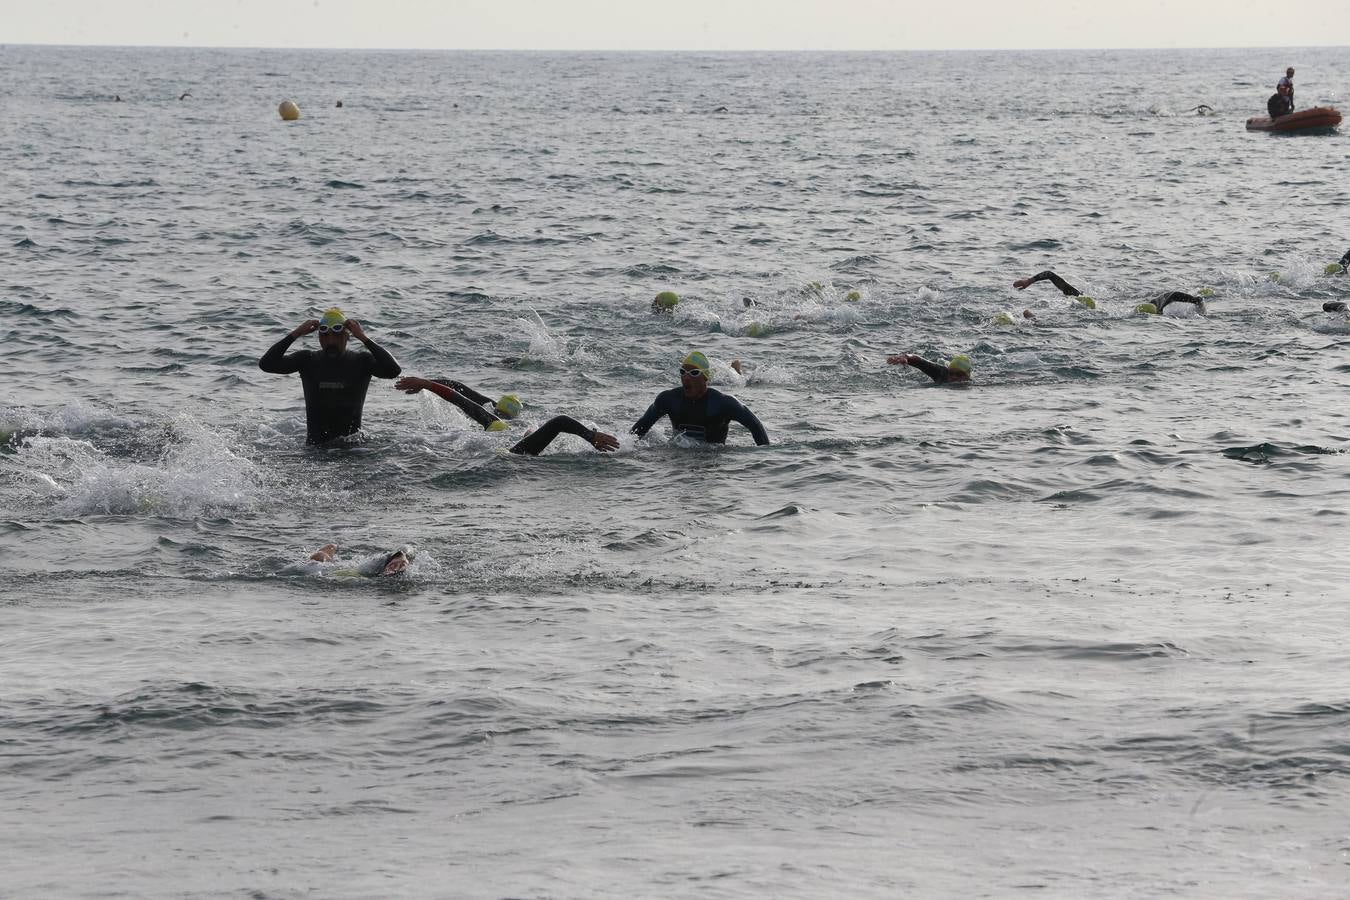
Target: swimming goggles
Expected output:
[335,329]
[692,373]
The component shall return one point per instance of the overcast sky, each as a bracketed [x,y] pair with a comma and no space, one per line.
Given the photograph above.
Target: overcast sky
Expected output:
[680,24]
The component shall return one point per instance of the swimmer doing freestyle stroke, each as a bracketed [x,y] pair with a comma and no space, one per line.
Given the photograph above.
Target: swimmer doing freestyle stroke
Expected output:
[955,372]
[474,405]
[1155,306]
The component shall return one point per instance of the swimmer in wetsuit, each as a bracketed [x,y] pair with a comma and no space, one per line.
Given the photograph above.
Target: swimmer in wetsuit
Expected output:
[385,564]
[955,372]
[334,378]
[1159,304]
[698,410]
[474,405]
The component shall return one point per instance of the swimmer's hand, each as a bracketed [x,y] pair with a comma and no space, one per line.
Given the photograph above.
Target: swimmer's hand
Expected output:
[305,327]
[410,385]
[1022,284]
[605,443]
[901,359]
[354,327]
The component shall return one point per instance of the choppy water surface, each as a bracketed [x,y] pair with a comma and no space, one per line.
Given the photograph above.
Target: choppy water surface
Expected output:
[1077,630]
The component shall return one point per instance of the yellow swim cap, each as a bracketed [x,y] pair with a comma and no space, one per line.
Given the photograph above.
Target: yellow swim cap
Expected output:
[960,363]
[333,317]
[666,300]
[1086,301]
[1334,269]
[697,360]
[1147,309]
[508,407]
[497,425]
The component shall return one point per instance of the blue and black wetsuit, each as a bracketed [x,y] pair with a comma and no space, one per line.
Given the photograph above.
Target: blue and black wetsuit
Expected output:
[706,418]
[335,384]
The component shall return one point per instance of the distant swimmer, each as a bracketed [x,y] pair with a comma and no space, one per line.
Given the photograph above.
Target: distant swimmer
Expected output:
[380,565]
[1157,305]
[1204,109]
[697,410]
[474,405]
[184,95]
[339,104]
[117,98]
[955,372]
[335,379]
[1339,267]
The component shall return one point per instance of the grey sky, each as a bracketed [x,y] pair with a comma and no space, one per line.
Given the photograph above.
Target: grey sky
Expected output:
[678,24]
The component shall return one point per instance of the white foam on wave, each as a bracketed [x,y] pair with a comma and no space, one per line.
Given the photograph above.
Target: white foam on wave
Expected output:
[195,474]
[545,346]
[73,418]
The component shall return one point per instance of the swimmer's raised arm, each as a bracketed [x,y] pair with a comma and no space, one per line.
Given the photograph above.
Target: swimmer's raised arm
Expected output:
[1067,289]
[534,443]
[464,389]
[412,384]
[1180,297]
[275,362]
[383,364]
[1345,261]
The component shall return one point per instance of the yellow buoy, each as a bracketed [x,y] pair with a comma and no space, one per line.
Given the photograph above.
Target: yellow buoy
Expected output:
[289,111]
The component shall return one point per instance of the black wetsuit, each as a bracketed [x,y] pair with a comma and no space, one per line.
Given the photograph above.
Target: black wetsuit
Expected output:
[940,374]
[706,418]
[1067,289]
[534,443]
[1161,302]
[335,384]
[1278,105]
[470,402]
[1178,297]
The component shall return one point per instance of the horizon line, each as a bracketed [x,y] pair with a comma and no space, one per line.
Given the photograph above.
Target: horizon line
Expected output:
[747,50]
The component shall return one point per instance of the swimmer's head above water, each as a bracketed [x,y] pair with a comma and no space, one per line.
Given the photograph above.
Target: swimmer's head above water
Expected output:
[695,373]
[333,331]
[508,407]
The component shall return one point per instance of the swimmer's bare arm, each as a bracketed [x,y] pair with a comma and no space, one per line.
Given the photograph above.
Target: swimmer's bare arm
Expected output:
[1067,289]
[604,442]
[274,361]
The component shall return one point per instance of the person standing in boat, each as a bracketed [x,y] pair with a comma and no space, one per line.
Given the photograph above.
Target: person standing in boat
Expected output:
[1287,82]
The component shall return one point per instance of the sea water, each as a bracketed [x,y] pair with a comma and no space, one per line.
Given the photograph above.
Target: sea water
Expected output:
[1077,630]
